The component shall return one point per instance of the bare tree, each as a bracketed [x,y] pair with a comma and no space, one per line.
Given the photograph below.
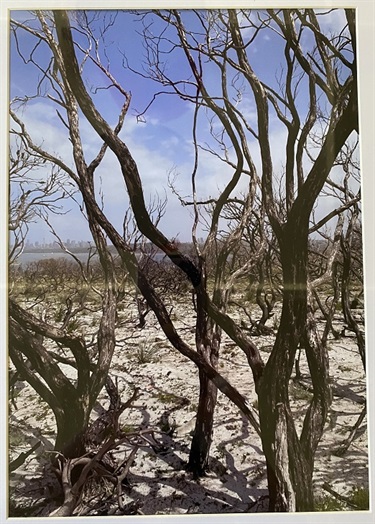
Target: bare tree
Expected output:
[331,71]
[32,197]
[223,40]
[72,403]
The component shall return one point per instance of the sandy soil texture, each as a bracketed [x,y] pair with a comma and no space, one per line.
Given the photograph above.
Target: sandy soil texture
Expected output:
[168,384]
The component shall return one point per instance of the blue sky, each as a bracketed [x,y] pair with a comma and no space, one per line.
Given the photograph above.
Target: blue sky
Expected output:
[161,143]
[71,223]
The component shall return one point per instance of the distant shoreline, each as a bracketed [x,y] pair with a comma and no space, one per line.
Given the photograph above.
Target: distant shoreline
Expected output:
[185,247]
[56,250]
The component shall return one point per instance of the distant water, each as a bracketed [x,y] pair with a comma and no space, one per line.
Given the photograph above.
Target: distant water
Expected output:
[26,258]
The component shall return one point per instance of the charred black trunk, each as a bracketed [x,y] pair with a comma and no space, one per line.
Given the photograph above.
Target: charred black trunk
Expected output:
[208,337]
[72,425]
[202,439]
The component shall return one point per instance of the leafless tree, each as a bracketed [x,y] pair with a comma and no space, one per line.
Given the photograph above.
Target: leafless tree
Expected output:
[223,41]
[329,70]
[72,403]
[32,195]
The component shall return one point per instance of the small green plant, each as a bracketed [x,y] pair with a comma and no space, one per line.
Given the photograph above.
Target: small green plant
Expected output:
[357,500]
[329,503]
[167,398]
[16,436]
[298,392]
[338,306]
[73,325]
[59,314]
[360,498]
[146,352]
[127,429]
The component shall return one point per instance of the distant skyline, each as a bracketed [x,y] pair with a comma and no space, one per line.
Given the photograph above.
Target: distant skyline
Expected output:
[68,243]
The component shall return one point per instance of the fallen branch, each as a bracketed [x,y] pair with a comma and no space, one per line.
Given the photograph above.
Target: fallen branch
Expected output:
[95,464]
[72,491]
[122,476]
[343,448]
[338,496]
[16,463]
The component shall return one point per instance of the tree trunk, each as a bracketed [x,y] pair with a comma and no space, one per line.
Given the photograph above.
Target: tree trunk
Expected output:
[288,469]
[208,338]
[345,294]
[202,439]
[289,474]
[72,425]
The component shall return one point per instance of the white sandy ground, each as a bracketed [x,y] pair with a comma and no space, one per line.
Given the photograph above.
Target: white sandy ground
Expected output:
[158,481]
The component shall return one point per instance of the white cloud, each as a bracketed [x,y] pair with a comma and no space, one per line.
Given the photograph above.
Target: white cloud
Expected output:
[331,20]
[154,161]
[156,151]
[45,129]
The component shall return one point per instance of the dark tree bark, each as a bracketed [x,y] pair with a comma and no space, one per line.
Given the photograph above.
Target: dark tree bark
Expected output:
[290,457]
[286,464]
[203,432]
[208,345]
[346,247]
[70,405]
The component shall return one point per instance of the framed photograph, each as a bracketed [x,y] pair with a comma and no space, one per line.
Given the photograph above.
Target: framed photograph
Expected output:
[186,275]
